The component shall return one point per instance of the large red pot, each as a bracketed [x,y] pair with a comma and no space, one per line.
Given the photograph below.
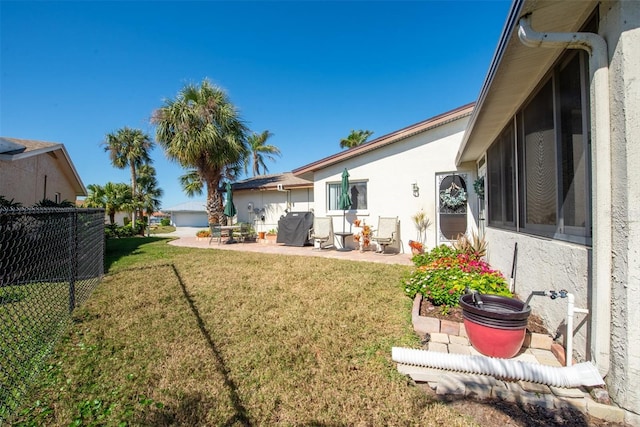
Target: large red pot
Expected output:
[497,326]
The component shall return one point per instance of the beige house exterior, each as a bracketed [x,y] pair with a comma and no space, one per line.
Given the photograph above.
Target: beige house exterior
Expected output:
[399,175]
[34,170]
[262,200]
[555,133]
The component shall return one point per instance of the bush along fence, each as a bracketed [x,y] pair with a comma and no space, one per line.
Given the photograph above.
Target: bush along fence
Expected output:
[51,259]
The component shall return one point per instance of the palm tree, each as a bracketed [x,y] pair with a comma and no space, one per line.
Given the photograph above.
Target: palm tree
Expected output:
[355,138]
[202,131]
[112,197]
[149,193]
[129,147]
[260,150]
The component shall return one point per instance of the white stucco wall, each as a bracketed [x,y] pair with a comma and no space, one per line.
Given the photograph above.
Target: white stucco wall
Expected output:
[545,264]
[390,172]
[620,25]
[274,204]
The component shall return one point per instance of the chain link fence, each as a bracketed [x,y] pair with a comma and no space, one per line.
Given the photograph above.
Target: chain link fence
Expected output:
[51,259]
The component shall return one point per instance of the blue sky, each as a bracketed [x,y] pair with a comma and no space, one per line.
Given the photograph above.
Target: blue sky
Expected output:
[307,71]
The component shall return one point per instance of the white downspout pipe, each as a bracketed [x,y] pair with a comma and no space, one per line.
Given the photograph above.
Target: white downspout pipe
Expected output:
[571,311]
[596,46]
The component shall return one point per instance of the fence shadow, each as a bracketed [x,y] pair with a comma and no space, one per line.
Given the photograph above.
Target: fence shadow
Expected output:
[241,417]
[120,248]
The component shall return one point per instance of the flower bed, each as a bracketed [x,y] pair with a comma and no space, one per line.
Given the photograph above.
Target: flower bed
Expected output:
[444,274]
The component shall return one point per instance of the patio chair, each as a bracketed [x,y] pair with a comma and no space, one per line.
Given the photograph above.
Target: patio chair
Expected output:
[216,232]
[322,232]
[244,232]
[387,232]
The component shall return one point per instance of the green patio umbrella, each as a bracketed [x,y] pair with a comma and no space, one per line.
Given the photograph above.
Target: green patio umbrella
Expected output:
[229,209]
[344,202]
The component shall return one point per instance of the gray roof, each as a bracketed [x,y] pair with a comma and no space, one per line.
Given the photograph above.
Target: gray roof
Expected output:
[271,182]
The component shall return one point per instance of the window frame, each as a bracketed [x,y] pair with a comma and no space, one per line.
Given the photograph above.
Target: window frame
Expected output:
[558,231]
[338,184]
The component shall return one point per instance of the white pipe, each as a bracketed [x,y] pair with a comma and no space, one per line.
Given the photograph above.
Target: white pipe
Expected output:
[582,374]
[601,189]
[571,310]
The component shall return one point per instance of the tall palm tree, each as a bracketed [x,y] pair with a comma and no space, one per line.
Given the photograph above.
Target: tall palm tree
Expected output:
[202,131]
[129,147]
[259,150]
[112,197]
[149,193]
[355,138]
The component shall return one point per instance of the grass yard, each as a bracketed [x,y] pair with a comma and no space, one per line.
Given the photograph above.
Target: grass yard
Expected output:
[180,336]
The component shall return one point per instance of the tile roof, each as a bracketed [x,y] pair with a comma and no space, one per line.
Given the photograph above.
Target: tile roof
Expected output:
[271,182]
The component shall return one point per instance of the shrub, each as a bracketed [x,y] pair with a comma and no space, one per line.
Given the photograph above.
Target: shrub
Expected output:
[435,253]
[165,222]
[203,233]
[445,274]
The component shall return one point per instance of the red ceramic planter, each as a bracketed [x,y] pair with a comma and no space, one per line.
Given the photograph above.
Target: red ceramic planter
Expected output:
[494,342]
[497,327]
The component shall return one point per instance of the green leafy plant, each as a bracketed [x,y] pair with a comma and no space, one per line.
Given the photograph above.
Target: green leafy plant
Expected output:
[445,273]
[474,246]
[165,222]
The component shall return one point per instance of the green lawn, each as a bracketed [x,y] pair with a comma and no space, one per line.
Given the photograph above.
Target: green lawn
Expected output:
[180,336]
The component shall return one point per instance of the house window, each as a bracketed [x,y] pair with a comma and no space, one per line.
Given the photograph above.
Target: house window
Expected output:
[357,191]
[501,174]
[548,141]
[58,198]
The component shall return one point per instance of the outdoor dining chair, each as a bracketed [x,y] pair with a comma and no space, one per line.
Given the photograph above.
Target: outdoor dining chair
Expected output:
[244,232]
[322,232]
[216,232]
[387,232]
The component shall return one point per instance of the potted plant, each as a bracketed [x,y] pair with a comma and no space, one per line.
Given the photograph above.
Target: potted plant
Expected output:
[422,223]
[416,247]
[363,236]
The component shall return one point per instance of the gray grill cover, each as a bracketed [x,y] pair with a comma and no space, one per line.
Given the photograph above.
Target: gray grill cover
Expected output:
[293,229]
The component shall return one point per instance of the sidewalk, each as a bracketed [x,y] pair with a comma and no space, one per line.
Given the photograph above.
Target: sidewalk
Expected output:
[274,248]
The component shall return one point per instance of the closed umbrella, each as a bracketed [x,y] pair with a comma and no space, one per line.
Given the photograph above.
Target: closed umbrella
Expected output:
[344,202]
[229,209]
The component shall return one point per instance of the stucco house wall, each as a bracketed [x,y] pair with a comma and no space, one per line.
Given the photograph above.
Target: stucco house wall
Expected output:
[390,172]
[42,170]
[270,204]
[608,286]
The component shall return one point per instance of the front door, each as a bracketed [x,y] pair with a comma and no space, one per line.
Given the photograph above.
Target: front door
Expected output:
[452,201]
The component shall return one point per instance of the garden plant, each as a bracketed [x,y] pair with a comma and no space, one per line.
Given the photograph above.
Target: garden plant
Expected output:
[443,274]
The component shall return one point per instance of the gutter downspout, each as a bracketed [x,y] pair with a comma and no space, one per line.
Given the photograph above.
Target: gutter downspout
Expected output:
[596,46]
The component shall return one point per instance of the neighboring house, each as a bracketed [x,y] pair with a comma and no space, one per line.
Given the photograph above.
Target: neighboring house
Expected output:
[262,200]
[397,175]
[34,170]
[189,214]
[555,131]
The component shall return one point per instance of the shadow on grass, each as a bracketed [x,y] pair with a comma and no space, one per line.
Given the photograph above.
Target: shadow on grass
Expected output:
[241,412]
[117,249]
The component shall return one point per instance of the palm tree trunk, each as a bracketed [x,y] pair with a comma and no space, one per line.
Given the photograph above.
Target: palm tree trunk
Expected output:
[133,191]
[214,200]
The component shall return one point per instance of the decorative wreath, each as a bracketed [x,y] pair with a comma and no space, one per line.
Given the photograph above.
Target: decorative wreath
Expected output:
[454,196]
[478,187]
